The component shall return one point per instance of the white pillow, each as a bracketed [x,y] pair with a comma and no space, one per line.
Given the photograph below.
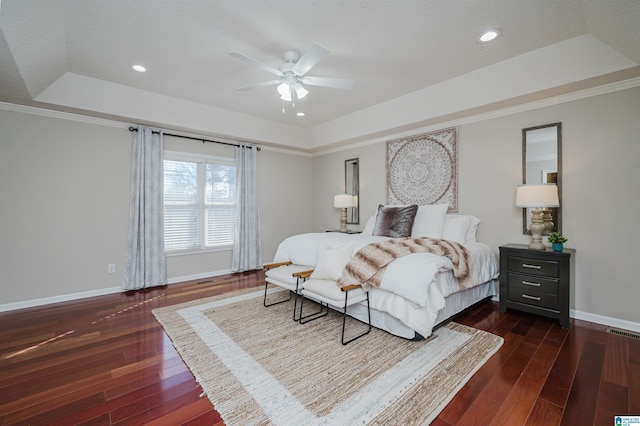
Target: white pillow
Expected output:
[472,230]
[460,228]
[371,224]
[429,221]
[331,261]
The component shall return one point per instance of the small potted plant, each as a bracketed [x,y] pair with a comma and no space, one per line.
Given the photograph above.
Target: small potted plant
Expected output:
[557,241]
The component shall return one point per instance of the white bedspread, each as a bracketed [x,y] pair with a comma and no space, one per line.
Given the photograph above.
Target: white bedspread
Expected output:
[406,290]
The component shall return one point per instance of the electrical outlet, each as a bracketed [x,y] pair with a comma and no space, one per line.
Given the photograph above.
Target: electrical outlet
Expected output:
[111,268]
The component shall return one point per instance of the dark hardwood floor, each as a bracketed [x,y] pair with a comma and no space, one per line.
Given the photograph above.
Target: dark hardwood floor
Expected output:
[106,361]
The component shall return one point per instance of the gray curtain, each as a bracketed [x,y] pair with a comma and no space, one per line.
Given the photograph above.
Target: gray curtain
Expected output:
[145,265]
[247,244]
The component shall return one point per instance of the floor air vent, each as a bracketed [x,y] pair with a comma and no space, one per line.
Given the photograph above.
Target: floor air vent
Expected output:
[623,333]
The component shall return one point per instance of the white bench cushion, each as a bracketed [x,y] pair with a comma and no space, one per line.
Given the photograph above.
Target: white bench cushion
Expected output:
[328,291]
[282,276]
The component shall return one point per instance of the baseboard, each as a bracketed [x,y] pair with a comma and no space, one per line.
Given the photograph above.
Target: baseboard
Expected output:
[6,307]
[585,316]
[57,299]
[194,277]
[598,319]
[601,319]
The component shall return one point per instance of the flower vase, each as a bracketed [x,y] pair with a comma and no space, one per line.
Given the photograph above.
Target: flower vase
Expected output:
[557,246]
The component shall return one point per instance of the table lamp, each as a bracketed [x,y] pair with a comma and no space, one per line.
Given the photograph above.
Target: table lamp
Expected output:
[536,197]
[343,202]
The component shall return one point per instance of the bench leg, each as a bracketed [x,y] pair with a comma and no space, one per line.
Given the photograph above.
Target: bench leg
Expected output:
[344,319]
[266,305]
[313,316]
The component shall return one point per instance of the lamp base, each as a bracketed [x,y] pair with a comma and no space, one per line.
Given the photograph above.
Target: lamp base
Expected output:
[536,228]
[537,246]
[343,220]
[547,220]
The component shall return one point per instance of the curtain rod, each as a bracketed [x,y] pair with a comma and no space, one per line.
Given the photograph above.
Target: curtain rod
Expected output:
[135,129]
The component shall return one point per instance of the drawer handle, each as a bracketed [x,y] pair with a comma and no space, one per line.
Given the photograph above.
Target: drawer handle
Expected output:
[526,296]
[531,284]
[526,265]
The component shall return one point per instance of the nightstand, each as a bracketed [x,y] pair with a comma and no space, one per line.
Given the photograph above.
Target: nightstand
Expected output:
[536,281]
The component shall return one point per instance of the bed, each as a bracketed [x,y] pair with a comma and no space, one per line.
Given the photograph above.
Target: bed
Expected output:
[417,291]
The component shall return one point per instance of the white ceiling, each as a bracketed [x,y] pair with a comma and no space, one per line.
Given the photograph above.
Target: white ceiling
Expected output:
[77,55]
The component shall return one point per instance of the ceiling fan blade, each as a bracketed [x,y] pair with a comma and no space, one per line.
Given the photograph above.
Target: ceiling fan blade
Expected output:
[256,63]
[263,84]
[314,55]
[335,83]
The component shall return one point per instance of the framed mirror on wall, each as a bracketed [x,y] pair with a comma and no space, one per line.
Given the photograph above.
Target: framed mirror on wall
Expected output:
[542,163]
[352,187]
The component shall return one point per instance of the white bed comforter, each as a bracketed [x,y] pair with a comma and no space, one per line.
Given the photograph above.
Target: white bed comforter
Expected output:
[408,290]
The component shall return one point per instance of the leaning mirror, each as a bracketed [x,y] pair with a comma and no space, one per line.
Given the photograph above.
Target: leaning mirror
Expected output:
[352,187]
[542,163]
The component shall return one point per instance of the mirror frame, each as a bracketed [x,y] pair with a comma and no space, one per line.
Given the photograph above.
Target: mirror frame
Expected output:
[556,212]
[352,187]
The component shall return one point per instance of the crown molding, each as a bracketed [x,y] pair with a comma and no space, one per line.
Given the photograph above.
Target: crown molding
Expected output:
[365,141]
[502,112]
[63,115]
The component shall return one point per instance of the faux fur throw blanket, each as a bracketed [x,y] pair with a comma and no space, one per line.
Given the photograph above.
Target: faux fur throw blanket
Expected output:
[367,266]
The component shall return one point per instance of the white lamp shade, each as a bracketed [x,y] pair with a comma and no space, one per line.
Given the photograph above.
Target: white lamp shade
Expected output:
[343,201]
[301,92]
[537,195]
[285,92]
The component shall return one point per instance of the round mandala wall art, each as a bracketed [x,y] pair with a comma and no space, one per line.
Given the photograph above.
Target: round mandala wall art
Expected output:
[422,169]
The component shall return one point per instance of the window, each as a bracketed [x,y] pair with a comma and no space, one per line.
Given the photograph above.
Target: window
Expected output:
[199,202]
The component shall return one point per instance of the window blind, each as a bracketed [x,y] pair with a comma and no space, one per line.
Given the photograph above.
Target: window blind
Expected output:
[199,203]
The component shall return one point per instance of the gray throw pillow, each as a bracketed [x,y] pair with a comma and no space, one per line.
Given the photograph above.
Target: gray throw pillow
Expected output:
[395,222]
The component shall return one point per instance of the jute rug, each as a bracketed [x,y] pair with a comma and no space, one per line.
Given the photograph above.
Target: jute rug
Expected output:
[258,366]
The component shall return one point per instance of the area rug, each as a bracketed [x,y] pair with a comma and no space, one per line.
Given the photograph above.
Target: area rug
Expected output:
[258,366]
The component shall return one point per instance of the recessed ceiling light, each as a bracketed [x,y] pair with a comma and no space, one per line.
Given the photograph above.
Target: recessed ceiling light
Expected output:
[300,114]
[139,68]
[489,35]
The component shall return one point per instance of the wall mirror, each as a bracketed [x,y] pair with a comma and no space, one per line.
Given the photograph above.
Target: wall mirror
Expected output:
[542,163]
[352,187]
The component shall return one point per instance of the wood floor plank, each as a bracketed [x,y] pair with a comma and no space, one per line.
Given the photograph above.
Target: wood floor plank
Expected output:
[59,395]
[106,360]
[522,398]
[616,361]
[544,413]
[558,385]
[188,413]
[612,401]
[485,406]
[36,415]
[634,373]
[156,406]
[55,379]
[582,401]
[479,383]
[102,420]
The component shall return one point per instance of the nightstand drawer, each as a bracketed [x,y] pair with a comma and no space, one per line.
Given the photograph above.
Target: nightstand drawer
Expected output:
[536,281]
[544,300]
[547,268]
[519,282]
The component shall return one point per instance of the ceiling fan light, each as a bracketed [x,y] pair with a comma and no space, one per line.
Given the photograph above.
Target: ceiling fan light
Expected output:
[283,89]
[301,92]
[286,97]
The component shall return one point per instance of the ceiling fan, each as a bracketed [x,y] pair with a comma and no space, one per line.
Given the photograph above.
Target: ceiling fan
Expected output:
[291,75]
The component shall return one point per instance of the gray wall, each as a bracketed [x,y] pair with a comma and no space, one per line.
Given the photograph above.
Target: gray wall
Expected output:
[64,187]
[601,198]
[63,216]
